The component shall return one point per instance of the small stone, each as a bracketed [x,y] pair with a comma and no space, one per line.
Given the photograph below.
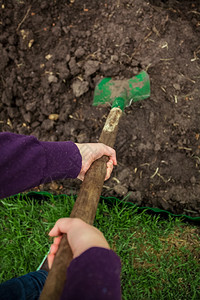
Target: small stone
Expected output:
[193,180]
[47,124]
[68,57]
[35,124]
[54,186]
[149,146]
[74,67]
[151,117]
[7,97]
[53,117]
[134,137]
[134,63]
[52,79]
[9,123]
[114,58]
[80,87]
[123,174]
[79,52]
[90,67]
[177,86]
[157,147]
[88,33]
[30,43]
[141,147]
[63,71]
[48,56]
[27,117]
[30,106]
[120,190]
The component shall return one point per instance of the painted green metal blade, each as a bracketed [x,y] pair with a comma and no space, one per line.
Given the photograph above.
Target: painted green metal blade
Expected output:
[120,93]
[139,87]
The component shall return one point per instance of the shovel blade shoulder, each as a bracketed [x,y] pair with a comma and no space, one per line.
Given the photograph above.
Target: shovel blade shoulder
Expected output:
[134,89]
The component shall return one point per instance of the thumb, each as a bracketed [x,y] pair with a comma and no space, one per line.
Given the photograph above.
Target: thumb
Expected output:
[61,226]
[50,260]
[109,169]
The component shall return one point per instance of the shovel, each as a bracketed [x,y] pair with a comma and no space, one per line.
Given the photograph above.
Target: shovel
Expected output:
[119,93]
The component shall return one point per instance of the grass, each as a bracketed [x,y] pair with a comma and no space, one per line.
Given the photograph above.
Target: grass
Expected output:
[160,258]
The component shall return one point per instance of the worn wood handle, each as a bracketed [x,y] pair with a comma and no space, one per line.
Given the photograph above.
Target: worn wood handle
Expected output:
[84,208]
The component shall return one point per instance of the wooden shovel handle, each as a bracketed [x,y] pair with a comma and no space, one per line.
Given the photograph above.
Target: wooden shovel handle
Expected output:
[84,208]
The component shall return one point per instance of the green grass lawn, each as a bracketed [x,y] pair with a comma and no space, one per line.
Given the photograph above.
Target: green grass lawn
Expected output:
[160,258]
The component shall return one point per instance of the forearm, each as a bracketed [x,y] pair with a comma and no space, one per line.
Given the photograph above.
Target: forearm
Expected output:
[26,162]
[95,274]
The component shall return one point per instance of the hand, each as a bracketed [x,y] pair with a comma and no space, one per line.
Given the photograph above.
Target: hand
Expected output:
[81,236]
[92,151]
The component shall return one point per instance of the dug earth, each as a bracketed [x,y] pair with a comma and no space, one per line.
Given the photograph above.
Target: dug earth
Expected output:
[53,53]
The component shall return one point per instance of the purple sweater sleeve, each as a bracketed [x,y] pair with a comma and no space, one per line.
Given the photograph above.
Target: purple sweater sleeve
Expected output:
[26,162]
[95,274]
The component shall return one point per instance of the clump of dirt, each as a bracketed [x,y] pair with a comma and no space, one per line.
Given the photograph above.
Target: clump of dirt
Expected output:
[54,52]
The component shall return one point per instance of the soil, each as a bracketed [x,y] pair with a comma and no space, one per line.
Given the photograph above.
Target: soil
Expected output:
[53,53]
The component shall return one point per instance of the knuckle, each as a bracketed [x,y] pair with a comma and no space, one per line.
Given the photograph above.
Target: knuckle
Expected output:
[77,221]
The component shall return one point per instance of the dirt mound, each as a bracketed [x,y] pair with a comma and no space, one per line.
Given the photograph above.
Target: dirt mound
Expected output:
[54,52]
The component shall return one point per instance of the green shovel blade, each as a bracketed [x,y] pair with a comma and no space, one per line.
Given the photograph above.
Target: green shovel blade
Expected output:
[120,93]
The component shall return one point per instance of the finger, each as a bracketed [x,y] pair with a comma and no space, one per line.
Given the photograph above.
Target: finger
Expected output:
[50,259]
[61,226]
[53,249]
[109,169]
[100,149]
[106,150]
[57,240]
[81,176]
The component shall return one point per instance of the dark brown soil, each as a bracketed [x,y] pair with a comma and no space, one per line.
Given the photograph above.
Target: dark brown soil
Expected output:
[54,52]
